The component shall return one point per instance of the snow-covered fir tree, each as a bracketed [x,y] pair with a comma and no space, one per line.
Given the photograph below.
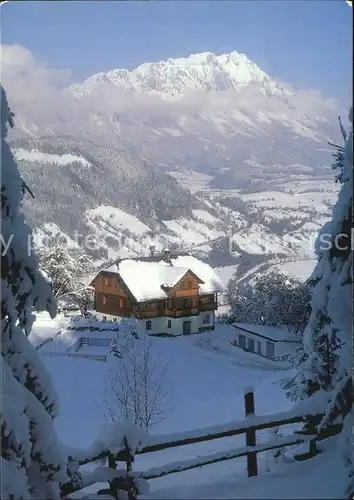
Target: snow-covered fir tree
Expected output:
[62,267]
[32,466]
[339,155]
[327,357]
[274,299]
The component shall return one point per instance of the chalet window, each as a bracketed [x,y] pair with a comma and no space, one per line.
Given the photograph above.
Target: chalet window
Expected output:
[148,325]
[270,349]
[121,303]
[259,347]
[169,323]
[187,303]
[194,301]
[206,319]
[250,344]
[107,281]
[242,341]
[104,300]
[190,284]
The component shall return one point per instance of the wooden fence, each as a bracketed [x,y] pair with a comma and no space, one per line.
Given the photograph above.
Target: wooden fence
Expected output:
[65,354]
[128,480]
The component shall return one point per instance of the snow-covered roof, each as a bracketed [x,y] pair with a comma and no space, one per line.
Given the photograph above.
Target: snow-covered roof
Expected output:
[269,332]
[145,278]
[87,279]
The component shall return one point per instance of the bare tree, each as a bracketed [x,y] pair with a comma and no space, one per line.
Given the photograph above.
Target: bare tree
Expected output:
[136,387]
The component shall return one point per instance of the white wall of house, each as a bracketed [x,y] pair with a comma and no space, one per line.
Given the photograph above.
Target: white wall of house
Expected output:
[108,317]
[283,348]
[170,326]
[206,319]
[262,346]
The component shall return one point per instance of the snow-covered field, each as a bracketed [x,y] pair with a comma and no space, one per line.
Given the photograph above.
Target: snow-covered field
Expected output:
[38,156]
[300,269]
[207,376]
[194,181]
[270,200]
[322,477]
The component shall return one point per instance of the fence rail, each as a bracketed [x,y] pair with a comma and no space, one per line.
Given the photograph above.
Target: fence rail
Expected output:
[126,480]
[96,357]
[49,339]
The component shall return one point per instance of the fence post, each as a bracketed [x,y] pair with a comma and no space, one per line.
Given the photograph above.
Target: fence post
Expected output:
[312,448]
[132,493]
[252,467]
[112,486]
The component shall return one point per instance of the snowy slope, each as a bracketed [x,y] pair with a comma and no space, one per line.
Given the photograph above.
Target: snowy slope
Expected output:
[281,232]
[212,381]
[301,269]
[123,235]
[38,156]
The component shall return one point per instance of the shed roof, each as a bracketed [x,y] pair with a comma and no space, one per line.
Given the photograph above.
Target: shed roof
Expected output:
[268,332]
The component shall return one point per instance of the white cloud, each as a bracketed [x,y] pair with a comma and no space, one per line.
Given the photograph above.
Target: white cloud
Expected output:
[25,77]
[35,93]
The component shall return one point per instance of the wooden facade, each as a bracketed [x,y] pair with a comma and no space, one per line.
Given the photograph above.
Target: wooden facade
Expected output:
[113,297]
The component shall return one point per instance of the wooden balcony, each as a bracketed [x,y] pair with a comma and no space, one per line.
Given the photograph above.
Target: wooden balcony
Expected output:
[180,313]
[208,306]
[174,310]
[147,313]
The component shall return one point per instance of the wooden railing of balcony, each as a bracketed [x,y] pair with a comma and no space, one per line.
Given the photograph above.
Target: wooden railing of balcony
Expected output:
[175,308]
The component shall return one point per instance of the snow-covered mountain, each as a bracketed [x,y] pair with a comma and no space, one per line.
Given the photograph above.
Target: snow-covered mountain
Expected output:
[203,72]
[217,114]
[101,155]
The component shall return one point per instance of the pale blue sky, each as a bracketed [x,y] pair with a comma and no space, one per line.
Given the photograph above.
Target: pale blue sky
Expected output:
[305,42]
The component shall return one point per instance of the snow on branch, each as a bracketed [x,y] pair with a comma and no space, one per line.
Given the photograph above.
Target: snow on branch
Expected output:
[113,439]
[116,436]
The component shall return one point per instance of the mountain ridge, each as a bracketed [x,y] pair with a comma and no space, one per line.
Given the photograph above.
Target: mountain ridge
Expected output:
[244,137]
[204,71]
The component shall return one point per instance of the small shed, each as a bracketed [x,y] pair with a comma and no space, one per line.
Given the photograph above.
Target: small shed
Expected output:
[267,341]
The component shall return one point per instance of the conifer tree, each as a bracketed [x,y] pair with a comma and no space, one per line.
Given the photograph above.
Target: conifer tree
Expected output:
[32,466]
[327,355]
